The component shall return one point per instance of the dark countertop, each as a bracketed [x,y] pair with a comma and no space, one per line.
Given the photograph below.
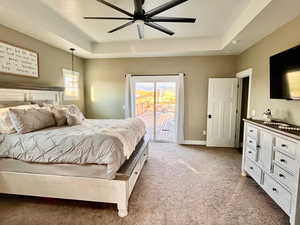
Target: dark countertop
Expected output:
[289,133]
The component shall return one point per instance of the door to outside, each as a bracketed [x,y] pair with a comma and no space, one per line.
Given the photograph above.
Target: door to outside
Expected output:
[154,101]
[222,106]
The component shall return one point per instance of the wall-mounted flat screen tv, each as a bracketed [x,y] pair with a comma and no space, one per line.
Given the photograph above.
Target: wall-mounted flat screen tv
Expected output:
[285,75]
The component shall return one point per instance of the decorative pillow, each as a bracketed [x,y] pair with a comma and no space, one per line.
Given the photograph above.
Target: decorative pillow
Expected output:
[72,109]
[6,126]
[25,121]
[60,116]
[73,119]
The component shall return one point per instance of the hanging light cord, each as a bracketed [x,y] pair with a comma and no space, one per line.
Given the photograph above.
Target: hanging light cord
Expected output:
[72,49]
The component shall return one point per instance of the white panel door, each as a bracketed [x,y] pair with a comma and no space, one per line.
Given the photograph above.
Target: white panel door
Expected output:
[222,106]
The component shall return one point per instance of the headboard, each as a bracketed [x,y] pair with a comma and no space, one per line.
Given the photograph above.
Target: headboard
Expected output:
[10,92]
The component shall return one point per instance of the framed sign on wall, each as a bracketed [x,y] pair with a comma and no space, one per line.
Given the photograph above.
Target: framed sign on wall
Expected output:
[18,61]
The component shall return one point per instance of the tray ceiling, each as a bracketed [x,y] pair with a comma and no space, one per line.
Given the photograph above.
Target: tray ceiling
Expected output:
[219,23]
[213,17]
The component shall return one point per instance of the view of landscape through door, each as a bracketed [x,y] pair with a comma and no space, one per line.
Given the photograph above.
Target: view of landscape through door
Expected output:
[154,101]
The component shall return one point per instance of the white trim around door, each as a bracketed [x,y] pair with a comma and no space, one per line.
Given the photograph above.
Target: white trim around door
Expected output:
[240,76]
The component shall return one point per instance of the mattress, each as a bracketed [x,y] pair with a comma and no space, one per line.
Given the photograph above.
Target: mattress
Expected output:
[90,171]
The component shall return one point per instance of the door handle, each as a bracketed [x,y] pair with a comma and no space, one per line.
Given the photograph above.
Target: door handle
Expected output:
[209,116]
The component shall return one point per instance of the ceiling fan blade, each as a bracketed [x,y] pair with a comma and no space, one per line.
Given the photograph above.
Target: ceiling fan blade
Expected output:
[141,31]
[121,27]
[106,18]
[115,7]
[172,19]
[160,28]
[164,7]
[138,5]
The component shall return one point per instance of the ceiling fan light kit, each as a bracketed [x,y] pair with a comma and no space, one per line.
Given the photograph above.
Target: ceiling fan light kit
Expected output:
[141,18]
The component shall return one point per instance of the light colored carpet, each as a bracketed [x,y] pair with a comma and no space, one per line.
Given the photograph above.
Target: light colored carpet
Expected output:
[179,185]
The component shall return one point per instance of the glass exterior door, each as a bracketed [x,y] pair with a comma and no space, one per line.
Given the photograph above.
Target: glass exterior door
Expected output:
[155,103]
[144,104]
[165,111]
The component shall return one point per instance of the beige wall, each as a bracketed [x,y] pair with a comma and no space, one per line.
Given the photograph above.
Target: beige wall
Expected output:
[106,78]
[51,61]
[257,57]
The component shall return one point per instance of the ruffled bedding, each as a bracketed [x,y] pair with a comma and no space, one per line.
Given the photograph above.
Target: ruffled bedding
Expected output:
[102,142]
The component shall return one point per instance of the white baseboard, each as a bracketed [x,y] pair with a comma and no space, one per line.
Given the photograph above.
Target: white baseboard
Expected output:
[194,142]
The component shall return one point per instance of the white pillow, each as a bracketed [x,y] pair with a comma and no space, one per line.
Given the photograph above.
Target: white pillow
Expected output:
[73,109]
[6,126]
[73,119]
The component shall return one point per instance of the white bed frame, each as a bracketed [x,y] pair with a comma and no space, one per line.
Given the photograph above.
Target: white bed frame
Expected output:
[68,187]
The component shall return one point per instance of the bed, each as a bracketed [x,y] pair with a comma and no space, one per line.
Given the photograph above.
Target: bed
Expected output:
[105,171]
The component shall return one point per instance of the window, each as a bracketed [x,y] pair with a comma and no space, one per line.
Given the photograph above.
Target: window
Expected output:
[71,83]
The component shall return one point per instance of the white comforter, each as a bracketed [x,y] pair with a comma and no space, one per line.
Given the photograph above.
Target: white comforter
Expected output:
[93,142]
[129,131]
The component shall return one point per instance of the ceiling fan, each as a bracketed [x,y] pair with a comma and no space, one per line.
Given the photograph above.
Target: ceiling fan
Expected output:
[140,17]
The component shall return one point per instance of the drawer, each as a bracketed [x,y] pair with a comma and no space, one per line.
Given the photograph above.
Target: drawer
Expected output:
[252,131]
[286,146]
[252,154]
[284,177]
[144,158]
[253,170]
[279,194]
[286,162]
[137,170]
[134,176]
[251,143]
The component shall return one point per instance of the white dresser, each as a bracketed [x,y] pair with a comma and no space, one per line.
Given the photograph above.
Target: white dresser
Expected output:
[272,158]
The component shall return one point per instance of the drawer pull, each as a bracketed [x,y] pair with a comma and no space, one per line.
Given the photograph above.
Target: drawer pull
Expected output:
[136,173]
[274,189]
[281,175]
[284,146]
[283,160]
[251,168]
[250,142]
[251,131]
[258,146]
[249,152]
